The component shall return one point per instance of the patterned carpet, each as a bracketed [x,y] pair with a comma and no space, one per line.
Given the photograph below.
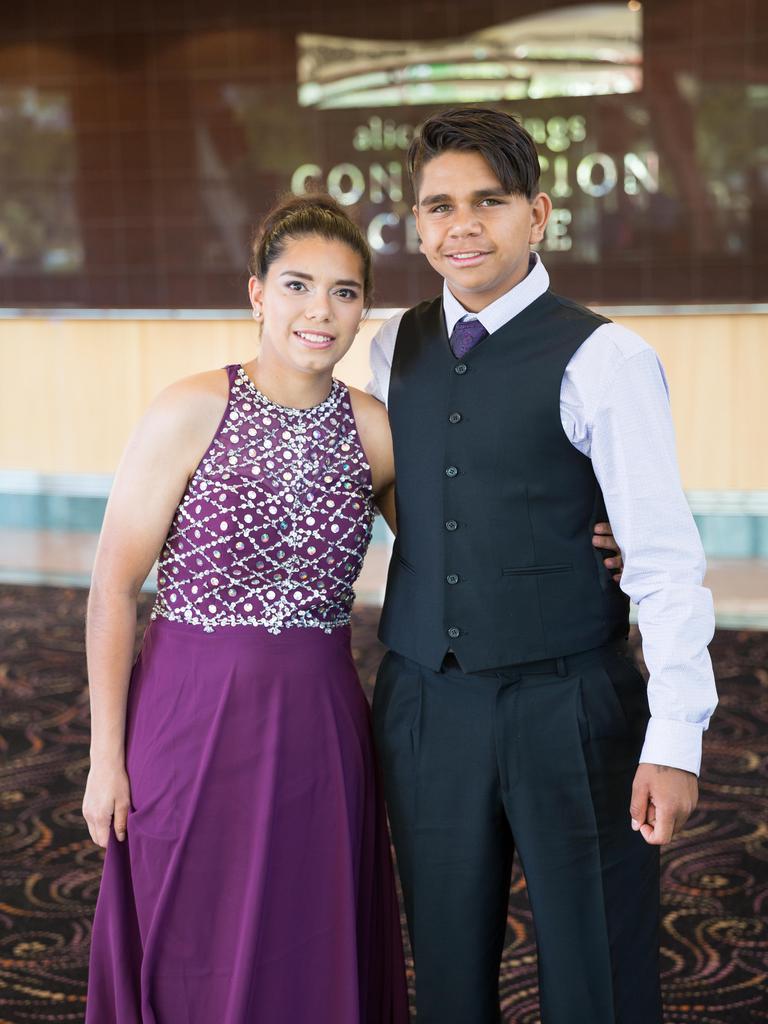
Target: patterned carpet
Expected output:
[715,938]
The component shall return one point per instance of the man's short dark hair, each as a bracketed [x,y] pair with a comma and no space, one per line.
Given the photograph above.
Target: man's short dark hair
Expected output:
[499,138]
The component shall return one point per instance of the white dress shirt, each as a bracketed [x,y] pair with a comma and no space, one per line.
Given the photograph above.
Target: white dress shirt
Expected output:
[614,407]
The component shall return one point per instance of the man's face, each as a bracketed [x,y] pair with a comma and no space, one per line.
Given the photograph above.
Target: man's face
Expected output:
[473,233]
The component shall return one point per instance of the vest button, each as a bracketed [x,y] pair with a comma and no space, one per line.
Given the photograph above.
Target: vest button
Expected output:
[451,578]
[455,417]
[451,524]
[454,632]
[451,471]
[460,368]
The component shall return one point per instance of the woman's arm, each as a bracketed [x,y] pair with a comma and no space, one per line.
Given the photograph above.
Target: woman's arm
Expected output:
[376,438]
[386,503]
[161,455]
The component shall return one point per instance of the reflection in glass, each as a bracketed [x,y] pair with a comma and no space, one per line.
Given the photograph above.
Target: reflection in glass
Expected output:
[138,182]
[588,50]
[38,222]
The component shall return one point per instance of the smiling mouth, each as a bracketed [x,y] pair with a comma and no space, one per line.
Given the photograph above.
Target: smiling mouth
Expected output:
[315,339]
[470,256]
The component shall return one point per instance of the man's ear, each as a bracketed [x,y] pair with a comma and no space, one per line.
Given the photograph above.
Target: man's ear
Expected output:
[415,212]
[541,208]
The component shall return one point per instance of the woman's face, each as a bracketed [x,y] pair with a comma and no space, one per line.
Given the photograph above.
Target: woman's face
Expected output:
[311,303]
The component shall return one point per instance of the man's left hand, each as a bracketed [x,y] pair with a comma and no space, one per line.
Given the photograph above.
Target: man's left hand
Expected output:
[663,799]
[603,538]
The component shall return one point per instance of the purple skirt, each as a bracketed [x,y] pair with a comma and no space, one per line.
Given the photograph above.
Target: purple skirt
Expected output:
[255,884]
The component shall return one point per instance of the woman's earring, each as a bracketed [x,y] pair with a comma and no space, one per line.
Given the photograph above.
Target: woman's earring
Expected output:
[256,314]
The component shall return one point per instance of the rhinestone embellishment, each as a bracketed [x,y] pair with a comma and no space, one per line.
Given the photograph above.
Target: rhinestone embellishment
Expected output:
[254,544]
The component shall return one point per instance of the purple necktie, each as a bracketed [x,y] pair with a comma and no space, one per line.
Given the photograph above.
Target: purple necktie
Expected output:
[466,334]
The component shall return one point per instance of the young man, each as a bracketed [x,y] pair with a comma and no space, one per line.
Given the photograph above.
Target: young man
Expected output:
[507,712]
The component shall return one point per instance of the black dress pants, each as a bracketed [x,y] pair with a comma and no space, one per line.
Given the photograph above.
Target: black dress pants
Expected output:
[539,758]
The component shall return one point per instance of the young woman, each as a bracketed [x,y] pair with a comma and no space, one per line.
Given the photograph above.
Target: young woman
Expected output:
[247,875]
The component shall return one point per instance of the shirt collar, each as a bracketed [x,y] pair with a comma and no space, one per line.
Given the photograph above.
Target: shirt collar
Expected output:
[500,312]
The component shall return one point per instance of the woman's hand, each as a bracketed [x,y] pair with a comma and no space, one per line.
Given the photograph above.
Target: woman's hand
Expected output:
[603,538]
[107,800]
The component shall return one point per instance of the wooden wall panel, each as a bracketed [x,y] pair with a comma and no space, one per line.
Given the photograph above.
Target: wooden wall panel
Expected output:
[71,390]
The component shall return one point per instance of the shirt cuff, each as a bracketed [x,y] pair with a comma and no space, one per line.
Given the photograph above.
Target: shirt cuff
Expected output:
[673,743]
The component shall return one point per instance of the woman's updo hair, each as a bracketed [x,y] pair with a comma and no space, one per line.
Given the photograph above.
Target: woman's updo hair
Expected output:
[294,217]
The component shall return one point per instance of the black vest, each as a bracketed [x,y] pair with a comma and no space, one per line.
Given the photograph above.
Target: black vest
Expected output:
[495,507]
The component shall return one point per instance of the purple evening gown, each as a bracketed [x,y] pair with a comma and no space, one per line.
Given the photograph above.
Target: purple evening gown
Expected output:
[255,884]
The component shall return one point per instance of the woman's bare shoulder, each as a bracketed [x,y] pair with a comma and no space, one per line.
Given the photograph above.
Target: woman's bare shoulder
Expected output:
[209,387]
[200,394]
[187,412]
[368,408]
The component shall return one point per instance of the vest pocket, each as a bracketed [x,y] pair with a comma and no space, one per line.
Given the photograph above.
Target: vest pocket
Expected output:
[536,570]
[406,565]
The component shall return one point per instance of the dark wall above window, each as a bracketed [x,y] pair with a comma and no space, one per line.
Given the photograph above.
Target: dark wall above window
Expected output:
[139,143]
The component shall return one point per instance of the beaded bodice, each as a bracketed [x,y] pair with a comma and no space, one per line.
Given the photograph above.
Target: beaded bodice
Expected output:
[275,521]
